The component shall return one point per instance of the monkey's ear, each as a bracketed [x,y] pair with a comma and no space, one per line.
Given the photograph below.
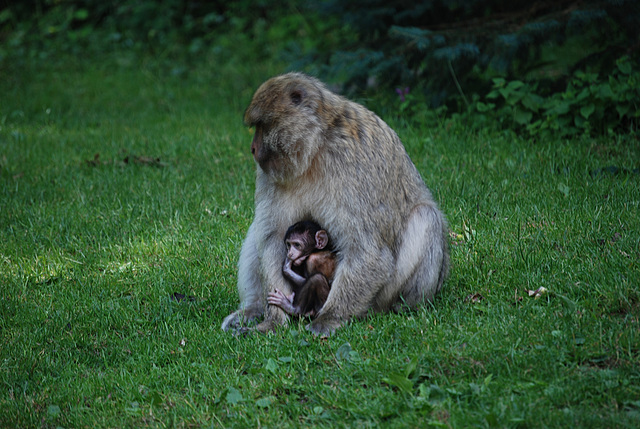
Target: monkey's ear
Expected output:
[322,239]
[296,96]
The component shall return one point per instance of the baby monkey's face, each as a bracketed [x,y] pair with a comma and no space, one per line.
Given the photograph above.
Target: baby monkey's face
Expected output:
[298,249]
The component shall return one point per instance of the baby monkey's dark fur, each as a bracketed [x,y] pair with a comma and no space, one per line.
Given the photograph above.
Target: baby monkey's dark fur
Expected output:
[311,277]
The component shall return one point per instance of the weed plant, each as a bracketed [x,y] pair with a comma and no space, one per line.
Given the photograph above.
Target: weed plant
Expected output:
[127,188]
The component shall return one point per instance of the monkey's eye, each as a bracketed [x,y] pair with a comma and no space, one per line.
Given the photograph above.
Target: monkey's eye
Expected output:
[296,97]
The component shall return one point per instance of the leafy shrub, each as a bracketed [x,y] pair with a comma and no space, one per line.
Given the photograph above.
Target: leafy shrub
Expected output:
[590,103]
[451,50]
[179,26]
[529,57]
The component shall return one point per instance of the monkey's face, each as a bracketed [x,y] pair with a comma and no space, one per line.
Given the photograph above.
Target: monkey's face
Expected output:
[297,250]
[268,151]
[283,112]
[261,153]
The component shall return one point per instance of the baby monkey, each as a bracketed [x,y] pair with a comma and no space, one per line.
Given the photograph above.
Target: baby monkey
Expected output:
[309,267]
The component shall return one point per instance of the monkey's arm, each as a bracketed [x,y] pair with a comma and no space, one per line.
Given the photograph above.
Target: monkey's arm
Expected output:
[291,275]
[249,286]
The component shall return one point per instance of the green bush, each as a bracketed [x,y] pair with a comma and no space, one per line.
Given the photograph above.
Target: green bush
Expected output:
[163,27]
[544,69]
[448,51]
[590,103]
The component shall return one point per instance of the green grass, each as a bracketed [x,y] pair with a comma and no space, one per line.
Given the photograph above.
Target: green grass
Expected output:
[92,251]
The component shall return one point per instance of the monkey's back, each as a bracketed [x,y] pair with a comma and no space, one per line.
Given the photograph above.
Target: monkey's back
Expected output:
[324,263]
[365,170]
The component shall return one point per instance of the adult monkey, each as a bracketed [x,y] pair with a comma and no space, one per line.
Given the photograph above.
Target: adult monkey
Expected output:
[323,157]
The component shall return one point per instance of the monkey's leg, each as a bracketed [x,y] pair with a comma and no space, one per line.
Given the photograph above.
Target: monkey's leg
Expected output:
[312,295]
[423,258]
[322,293]
[249,286]
[360,275]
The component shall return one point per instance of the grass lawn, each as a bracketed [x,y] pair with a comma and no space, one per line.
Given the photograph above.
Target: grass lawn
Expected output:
[126,188]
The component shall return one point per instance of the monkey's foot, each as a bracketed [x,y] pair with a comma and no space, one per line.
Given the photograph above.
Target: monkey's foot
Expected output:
[242,331]
[233,321]
[240,318]
[267,326]
[273,319]
[323,326]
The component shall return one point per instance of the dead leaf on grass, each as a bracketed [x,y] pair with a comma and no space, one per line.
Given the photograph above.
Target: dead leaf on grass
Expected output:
[128,159]
[95,161]
[474,298]
[456,239]
[181,297]
[537,293]
[517,297]
[144,160]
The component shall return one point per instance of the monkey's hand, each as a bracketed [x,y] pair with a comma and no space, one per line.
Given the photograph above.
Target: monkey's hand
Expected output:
[292,276]
[283,301]
[287,264]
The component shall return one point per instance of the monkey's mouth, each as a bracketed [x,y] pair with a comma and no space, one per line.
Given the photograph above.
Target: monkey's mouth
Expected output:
[299,261]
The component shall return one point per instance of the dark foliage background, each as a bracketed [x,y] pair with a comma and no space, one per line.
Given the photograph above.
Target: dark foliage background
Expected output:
[78,25]
[511,62]
[435,43]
